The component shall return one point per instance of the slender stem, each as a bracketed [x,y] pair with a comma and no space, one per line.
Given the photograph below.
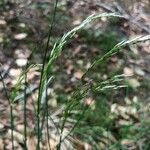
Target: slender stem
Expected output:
[45,105]
[11,111]
[41,78]
[77,122]
[66,114]
[25,112]
[47,127]
[12,126]
[46,114]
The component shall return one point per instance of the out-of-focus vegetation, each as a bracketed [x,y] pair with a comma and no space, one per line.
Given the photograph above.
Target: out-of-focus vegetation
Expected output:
[53,100]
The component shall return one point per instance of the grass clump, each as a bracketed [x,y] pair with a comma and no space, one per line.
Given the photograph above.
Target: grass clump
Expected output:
[85,114]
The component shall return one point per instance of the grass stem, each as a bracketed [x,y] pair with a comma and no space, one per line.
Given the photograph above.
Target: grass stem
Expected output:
[25,111]
[41,78]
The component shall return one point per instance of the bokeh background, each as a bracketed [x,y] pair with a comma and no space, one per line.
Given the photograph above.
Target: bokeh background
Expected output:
[116,119]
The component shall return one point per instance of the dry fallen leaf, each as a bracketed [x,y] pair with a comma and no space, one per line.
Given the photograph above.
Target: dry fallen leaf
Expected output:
[78,74]
[124,122]
[134,83]
[127,142]
[1,144]
[20,36]
[1,126]
[89,101]
[139,71]
[21,62]
[15,72]
[128,71]
[2,22]
[17,136]
[31,143]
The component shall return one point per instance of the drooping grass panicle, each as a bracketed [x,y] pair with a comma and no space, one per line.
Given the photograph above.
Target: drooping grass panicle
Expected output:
[57,48]
[115,50]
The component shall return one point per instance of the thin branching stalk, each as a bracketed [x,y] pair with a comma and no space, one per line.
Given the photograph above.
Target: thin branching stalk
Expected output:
[75,101]
[67,111]
[11,111]
[63,124]
[115,50]
[77,122]
[41,78]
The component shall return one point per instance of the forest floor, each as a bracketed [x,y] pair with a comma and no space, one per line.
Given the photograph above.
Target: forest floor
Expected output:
[23,34]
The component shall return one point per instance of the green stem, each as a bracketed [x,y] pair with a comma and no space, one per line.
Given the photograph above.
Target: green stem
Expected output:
[25,112]
[41,79]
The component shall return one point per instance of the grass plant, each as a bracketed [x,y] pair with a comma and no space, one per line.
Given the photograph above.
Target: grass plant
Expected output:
[76,102]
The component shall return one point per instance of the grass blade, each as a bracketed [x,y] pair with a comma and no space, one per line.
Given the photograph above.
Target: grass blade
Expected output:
[41,78]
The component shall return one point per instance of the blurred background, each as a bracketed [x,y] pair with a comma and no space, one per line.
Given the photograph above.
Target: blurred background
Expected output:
[116,119]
